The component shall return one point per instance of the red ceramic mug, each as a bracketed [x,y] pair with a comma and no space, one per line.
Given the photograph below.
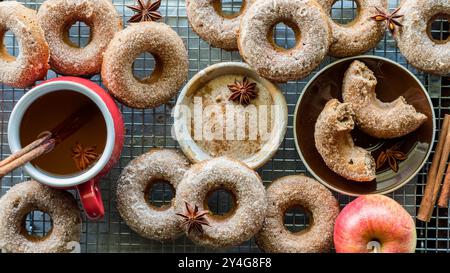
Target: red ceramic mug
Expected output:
[87,182]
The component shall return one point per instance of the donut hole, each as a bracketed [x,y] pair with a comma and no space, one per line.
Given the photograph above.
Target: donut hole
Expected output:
[10,46]
[221,203]
[37,225]
[344,12]
[297,219]
[159,194]
[229,8]
[439,28]
[147,67]
[284,36]
[77,34]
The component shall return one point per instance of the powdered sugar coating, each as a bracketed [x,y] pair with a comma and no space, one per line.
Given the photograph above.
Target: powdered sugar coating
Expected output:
[335,144]
[360,35]
[29,196]
[313,39]
[56,17]
[133,184]
[250,196]
[413,40]
[171,69]
[376,118]
[298,190]
[31,64]
[215,28]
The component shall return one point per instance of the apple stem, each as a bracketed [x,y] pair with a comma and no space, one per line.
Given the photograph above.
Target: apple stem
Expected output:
[374,246]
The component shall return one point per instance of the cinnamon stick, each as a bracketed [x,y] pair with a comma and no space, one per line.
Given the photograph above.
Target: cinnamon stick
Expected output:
[445,193]
[436,173]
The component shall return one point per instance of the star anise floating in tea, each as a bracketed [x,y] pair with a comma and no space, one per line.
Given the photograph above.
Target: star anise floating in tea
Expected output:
[146,10]
[84,156]
[243,92]
[391,19]
[194,219]
[391,156]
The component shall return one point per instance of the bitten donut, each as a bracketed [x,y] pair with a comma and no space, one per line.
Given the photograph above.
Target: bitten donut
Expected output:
[149,221]
[29,196]
[32,63]
[212,25]
[247,214]
[335,144]
[258,49]
[359,36]
[292,191]
[171,69]
[57,16]
[374,117]
[414,38]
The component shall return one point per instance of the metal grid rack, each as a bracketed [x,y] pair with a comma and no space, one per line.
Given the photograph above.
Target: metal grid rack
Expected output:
[152,128]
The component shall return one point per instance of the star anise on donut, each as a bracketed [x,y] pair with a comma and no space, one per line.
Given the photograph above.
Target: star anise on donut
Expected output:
[146,10]
[194,219]
[243,92]
[391,156]
[391,19]
[84,156]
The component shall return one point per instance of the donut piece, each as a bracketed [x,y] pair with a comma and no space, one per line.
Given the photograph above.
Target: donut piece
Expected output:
[360,35]
[247,216]
[31,64]
[294,191]
[335,144]
[170,72]
[209,22]
[414,41]
[57,16]
[376,118]
[149,221]
[28,196]
[256,45]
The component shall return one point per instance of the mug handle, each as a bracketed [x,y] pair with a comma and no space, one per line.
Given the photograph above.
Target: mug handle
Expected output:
[91,199]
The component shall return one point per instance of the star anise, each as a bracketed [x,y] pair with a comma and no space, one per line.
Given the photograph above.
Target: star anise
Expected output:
[194,219]
[145,11]
[391,19]
[84,157]
[391,156]
[243,92]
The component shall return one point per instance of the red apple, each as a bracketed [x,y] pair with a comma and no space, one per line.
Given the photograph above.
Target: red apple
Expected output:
[374,223]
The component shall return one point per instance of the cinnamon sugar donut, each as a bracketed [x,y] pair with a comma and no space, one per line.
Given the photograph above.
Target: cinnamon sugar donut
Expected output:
[335,144]
[26,197]
[212,25]
[420,49]
[247,215]
[360,35]
[57,16]
[374,117]
[170,72]
[256,45]
[298,191]
[32,63]
[149,221]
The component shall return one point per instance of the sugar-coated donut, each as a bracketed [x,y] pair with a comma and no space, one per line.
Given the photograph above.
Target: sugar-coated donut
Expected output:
[335,144]
[31,64]
[212,25]
[149,221]
[171,69]
[256,45]
[245,185]
[57,16]
[305,192]
[360,35]
[374,117]
[413,39]
[26,197]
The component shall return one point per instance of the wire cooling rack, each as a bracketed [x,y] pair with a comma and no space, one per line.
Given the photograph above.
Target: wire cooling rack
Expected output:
[152,128]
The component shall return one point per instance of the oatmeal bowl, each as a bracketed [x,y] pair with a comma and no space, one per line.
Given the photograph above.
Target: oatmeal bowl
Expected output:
[228,110]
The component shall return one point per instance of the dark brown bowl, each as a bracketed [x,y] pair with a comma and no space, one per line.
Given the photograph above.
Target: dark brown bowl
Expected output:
[393,81]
